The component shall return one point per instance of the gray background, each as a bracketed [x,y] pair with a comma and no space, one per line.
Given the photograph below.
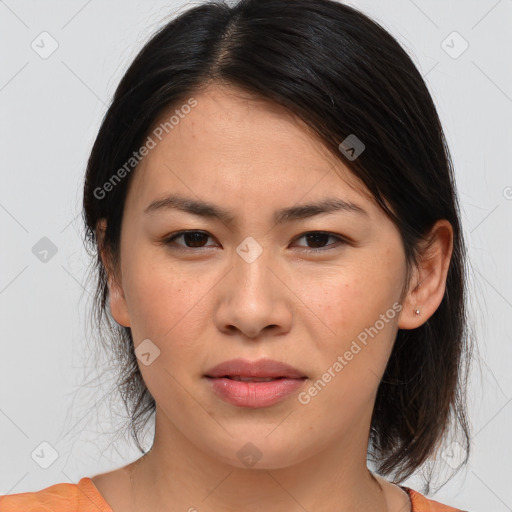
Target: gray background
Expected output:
[50,112]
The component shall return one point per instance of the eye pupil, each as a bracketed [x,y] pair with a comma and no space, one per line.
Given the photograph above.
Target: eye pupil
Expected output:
[315,236]
[196,238]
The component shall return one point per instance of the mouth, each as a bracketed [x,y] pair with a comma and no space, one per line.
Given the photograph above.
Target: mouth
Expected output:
[250,379]
[262,370]
[256,384]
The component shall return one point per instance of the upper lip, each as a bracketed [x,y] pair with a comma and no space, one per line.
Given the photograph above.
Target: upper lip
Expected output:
[263,368]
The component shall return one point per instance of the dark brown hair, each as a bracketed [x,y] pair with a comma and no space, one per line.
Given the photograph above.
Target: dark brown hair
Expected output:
[341,73]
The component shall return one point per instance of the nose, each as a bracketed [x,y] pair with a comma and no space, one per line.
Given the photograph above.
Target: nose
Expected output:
[253,299]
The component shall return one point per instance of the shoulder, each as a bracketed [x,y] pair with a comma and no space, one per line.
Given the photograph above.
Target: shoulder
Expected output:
[62,497]
[421,503]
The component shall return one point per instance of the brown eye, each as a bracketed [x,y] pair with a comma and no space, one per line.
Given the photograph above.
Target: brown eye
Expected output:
[192,239]
[319,239]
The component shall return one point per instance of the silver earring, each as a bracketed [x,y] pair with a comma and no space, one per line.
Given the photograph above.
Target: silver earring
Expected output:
[417,311]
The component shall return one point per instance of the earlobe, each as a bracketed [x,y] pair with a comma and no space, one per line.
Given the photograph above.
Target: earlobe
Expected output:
[429,281]
[118,306]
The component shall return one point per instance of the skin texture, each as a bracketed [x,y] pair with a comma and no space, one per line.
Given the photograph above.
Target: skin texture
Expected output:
[208,305]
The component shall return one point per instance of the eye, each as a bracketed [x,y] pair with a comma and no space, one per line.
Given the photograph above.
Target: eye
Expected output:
[197,239]
[321,237]
[194,238]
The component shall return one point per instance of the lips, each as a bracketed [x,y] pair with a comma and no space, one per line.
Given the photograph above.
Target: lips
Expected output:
[263,370]
[252,379]
[254,384]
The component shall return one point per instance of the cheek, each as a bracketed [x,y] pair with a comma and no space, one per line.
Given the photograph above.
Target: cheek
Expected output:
[165,307]
[355,315]
[343,302]
[168,306]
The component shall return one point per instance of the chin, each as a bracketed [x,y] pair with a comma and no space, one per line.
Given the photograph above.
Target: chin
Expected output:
[262,452]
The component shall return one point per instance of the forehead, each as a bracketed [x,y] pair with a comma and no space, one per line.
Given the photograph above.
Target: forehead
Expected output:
[232,144]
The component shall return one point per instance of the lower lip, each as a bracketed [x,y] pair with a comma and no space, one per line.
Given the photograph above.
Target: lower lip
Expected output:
[254,394]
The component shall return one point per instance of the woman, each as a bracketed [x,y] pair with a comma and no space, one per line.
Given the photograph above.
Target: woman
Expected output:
[273,208]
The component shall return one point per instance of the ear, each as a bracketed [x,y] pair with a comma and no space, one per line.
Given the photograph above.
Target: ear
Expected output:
[118,306]
[428,282]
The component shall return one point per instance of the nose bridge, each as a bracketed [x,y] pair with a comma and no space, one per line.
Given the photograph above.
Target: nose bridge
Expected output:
[252,298]
[253,277]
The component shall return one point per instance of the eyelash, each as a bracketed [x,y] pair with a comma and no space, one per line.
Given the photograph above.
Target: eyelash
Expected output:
[340,241]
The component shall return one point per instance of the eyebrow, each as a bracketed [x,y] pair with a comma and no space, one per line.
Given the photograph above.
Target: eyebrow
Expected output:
[290,214]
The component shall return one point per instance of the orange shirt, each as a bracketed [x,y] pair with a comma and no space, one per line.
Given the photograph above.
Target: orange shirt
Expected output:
[84,497]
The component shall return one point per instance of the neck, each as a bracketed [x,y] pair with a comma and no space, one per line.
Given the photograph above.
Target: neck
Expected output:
[176,475]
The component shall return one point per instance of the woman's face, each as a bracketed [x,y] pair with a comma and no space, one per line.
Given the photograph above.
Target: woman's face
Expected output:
[247,287]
